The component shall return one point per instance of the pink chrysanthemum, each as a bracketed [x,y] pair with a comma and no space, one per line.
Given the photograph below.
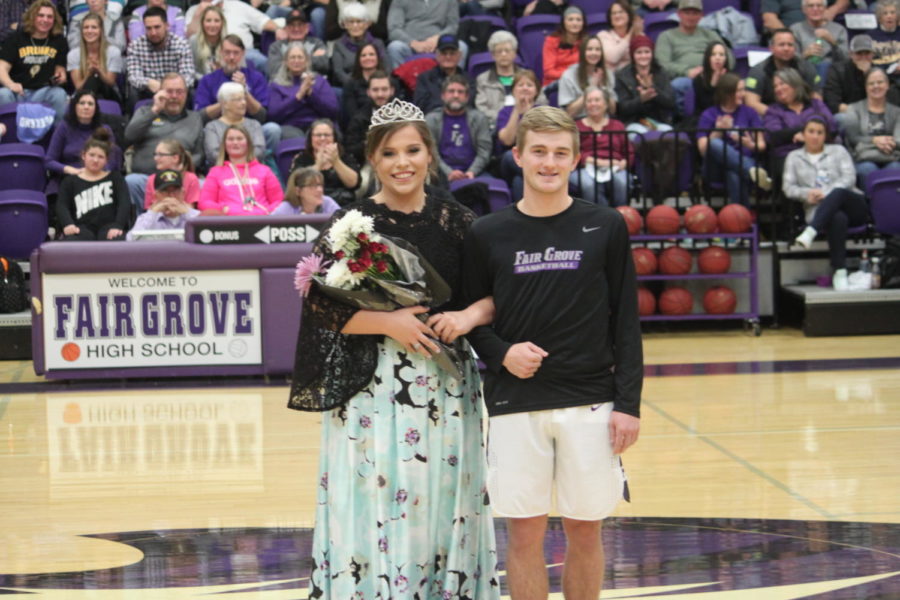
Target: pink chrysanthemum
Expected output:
[307,267]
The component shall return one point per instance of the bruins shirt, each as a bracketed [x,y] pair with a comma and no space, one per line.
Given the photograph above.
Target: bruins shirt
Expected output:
[566,283]
[34,61]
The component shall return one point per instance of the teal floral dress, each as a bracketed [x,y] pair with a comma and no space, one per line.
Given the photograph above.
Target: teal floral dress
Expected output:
[402,510]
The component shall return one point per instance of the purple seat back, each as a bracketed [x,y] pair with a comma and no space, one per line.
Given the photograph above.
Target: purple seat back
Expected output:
[22,166]
[531,31]
[23,221]
[883,190]
[656,23]
[498,191]
[596,21]
[286,152]
[110,107]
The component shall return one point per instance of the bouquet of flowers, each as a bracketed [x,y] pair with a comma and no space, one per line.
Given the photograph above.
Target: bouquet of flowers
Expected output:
[376,272]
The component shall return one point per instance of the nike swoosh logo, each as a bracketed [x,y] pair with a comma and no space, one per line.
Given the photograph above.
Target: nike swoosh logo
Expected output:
[589,229]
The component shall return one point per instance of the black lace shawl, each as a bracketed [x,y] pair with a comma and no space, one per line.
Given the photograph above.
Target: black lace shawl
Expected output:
[331,367]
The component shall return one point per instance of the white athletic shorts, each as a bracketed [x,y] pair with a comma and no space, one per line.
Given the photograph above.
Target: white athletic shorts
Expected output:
[531,455]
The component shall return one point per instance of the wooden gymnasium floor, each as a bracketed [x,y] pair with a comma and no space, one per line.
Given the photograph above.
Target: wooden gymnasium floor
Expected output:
[768,468]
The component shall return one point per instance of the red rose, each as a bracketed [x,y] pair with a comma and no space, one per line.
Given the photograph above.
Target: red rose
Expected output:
[365,254]
[339,254]
[382,266]
[365,263]
[362,237]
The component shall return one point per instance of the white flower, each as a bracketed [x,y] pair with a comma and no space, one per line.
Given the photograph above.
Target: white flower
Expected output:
[343,232]
[339,276]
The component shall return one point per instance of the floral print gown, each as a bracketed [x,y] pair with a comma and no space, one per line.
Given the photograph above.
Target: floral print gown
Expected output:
[402,506]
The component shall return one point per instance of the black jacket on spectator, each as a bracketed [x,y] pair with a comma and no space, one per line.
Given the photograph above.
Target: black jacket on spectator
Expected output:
[356,130]
[846,84]
[629,107]
[428,89]
[356,99]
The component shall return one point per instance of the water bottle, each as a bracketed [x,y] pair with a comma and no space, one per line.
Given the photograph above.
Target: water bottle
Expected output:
[816,58]
[864,262]
[876,273]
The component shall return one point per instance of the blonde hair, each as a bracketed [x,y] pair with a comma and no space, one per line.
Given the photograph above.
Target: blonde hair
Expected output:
[299,178]
[547,119]
[204,52]
[251,152]
[184,157]
[83,59]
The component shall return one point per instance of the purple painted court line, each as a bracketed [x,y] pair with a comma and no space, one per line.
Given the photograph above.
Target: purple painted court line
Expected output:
[772,366]
[775,559]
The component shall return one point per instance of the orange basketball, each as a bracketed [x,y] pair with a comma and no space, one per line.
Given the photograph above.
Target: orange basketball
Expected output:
[734,218]
[675,261]
[663,220]
[646,302]
[70,351]
[714,259]
[644,261]
[719,300]
[633,219]
[676,301]
[700,218]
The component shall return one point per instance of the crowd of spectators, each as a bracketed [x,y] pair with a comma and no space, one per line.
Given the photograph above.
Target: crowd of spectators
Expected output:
[208,90]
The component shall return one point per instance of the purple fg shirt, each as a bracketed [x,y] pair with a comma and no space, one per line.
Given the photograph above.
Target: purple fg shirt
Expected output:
[456,143]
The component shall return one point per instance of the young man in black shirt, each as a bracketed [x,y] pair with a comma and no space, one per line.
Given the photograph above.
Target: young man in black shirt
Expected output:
[33,60]
[564,359]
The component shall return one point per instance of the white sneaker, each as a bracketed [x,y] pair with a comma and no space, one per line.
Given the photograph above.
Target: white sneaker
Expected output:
[806,238]
[839,281]
[760,177]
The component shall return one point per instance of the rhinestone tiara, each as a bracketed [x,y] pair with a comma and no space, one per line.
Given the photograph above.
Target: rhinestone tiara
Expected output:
[396,111]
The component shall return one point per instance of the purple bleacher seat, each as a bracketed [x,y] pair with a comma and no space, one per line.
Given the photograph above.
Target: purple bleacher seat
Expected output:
[531,31]
[8,118]
[498,191]
[110,107]
[144,102]
[266,39]
[741,64]
[23,221]
[656,23]
[883,191]
[596,22]
[689,101]
[285,153]
[711,6]
[22,166]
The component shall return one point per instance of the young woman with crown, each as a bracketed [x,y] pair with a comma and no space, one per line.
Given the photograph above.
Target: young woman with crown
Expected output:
[402,505]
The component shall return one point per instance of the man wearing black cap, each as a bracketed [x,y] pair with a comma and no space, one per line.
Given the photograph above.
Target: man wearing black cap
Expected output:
[296,29]
[170,211]
[846,81]
[449,62]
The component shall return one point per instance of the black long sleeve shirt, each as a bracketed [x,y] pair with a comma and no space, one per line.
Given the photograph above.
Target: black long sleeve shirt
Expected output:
[566,283]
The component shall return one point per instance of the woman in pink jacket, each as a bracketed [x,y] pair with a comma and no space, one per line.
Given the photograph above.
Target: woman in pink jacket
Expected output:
[239,184]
